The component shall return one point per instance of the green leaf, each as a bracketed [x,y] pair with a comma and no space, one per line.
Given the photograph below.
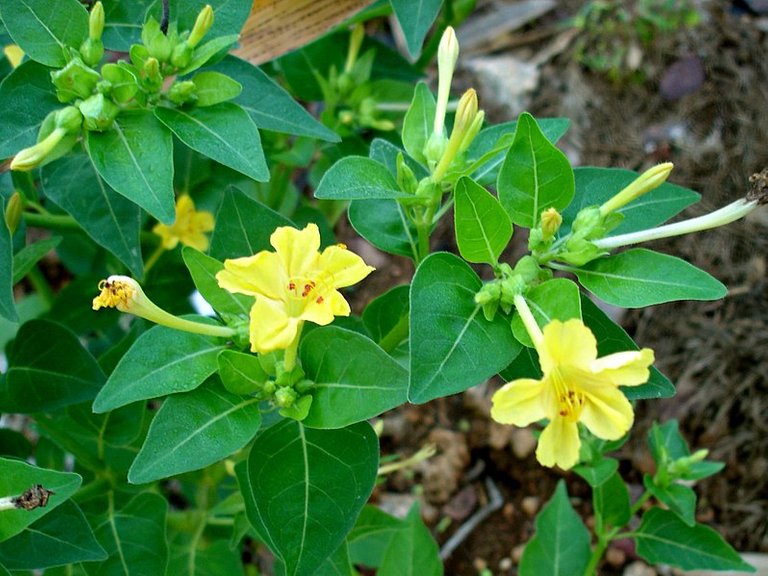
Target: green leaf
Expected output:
[269,105]
[134,538]
[7,303]
[346,390]
[61,537]
[416,18]
[612,338]
[663,538]
[26,258]
[214,88]
[135,158]
[453,346]
[203,270]
[678,498]
[386,317]
[666,443]
[214,559]
[243,226]
[384,224]
[611,500]
[44,29]
[211,50]
[304,488]
[638,278]
[386,154]
[594,186]
[106,216]
[358,178]
[371,536]
[419,122]
[49,369]
[412,550]
[599,472]
[561,544]
[337,564]
[123,22]
[535,175]
[16,477]
[483,228]
[241,373]
[224,133]
[26,98]
[193,430]
[556,299]
[162,361]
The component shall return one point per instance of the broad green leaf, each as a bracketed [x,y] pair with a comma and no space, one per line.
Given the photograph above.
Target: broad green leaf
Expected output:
[678,498]
[453,346]
[49,369]
[44,29]
[666,443]
[111,220]
[524,365]
[346,389]
[26,98]
[241,373]
[419,122]
[61,537]
[412,550]
[612,338]
[7,304]
[556,299]
[337,564]
[370,538]
[386,317]
[203,270]
[134,538]
[304,488]
[611,501]
[560,546]
[598,473]
[162,361]
[193,430]
[483,228]
[224,133]
[214,49]
[215,559]
[596,185]
[16,477]
[663,538]
[638,278]
[214,88]
[535,175]
[269,105]
[26,258]
[123,22]
[243,226]
[386,153]
[416,18]
[135,158]
[384,224]
[358,178]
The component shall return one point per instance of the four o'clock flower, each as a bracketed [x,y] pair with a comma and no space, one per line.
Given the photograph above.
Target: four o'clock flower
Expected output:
[189,228]
[577,386]
[293,284]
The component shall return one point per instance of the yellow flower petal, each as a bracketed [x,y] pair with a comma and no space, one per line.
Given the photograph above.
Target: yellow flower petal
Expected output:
[270,327]
[559,444]
[625,368]
[519,402]
[297,248]
[257,275]
[344,267]
[189,227]
[567,343]
[607,413]
[322,312]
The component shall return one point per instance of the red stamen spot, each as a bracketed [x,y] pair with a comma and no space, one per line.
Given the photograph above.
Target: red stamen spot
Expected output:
[307,290]
[319,300]
[291,286]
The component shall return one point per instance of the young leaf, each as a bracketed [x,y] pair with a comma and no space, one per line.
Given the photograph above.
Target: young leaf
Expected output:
[556,299]
[453,346]
[561,544]
[416,18]
[386,317]
[44,29]
[134,537]
[666,439]
[61,537]
[483,228]
[134,157]
[203,270]
[611,499]
[346,390]
[596,474]
[535,175]
[111,220]
[241,373]
[385,225]
[678,498]
[243,226]
[162,361]
[412,550]
[214,88]
[358,178]
[419,122]
[663,538]
[193,430]
[26,258]
[304,488]
[639,277]
[49,369]
[223,132]
[16,477]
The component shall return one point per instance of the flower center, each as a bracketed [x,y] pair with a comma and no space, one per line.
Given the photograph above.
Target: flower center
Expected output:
[569,400]
[113,295]
[302,292]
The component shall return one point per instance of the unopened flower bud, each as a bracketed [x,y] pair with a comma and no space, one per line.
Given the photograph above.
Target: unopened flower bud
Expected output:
[182,92]
[550,223]
[202,26]
[34,156]
[647,181]
[181,55]
[465,112]
[98,112]
[58,133]
[447,55]
[406,179]
[285,397]
[355,42]
[13,212]
[92,51]
[472,130]
[75,80]
[158,45]
[96,21]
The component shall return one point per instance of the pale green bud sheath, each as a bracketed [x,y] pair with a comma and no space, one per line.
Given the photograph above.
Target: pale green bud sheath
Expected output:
[463,123]
[447,55]
[125,294]
[202,26]
[647,181]
[32,157]
[531,326]
[355,42]
[96,22]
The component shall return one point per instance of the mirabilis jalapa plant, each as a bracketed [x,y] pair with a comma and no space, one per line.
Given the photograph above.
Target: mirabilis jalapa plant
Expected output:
[144,168]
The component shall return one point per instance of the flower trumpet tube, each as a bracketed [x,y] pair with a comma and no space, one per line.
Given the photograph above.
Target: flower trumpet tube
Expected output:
[577,386]
[125,294]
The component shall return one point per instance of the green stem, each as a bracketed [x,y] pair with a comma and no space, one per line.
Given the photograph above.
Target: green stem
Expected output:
[289,360]
[397,334]
[597,554]
[58,222]
[154,257]
[640,501]
[41,286]
[423,228]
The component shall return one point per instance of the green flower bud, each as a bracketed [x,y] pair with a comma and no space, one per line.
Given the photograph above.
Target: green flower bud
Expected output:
[447,55]
[123,82]
[181,55]
[98,112]
[58,133]
[96,22]
[298,410]
[153,79]
[138,55]
[435,148]
[92,51]
[182,92]
[551,220]
[285,397]
[647,181]
[75,80]
[158,45]
[202,25]
[488,293]
[13,212]
[406,179]
[68,119]
[579,251]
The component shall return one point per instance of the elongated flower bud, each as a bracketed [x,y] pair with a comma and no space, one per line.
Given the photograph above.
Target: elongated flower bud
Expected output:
[447,55]
[202,25]
[647,181]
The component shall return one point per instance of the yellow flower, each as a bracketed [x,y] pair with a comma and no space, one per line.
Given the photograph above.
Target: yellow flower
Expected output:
[14,54]
[189,228]
[577,387]
[294,283]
